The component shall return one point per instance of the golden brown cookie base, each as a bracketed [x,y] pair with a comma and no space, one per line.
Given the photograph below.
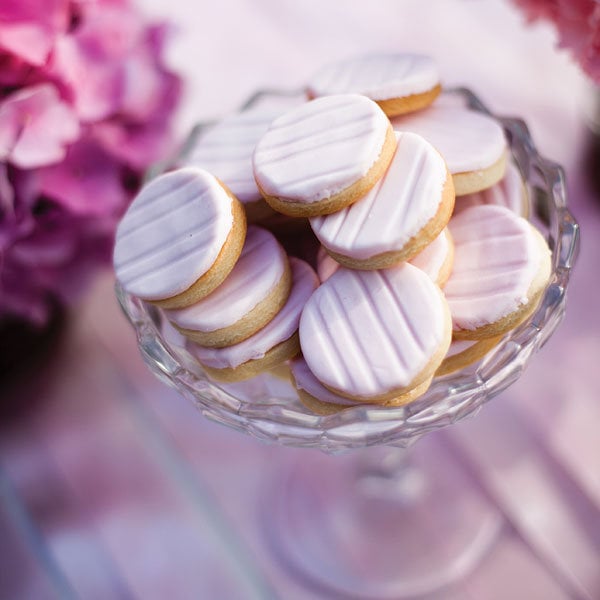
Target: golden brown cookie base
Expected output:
[394,107]
[251,322]
[414,245]
[512,320]
[275,356]
[345,197]
[467,357]
[223,265]
[470,182]
[328,408]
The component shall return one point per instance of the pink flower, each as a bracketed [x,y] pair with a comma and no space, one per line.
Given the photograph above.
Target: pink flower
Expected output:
[35,127]
[85,108]
[578,26]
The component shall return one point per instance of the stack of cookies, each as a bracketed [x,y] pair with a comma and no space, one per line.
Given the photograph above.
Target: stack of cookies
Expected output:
[425,256]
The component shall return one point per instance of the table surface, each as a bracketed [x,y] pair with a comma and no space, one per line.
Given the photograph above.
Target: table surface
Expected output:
[113,486]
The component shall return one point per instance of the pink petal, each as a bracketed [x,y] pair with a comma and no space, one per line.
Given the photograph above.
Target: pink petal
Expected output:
[35,127]
[88,181]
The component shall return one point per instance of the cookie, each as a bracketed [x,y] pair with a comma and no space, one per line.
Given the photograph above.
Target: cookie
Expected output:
[226,149]
[435,260]
[374,335]
[318,399]
[463,353]
[273,344]
[179,238]
[399,83]
[403,213]
[323,155]
[251,295]
[472,144]
[510,191]
[501,268]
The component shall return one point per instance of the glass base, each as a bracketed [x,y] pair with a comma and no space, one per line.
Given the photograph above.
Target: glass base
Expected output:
[380,524]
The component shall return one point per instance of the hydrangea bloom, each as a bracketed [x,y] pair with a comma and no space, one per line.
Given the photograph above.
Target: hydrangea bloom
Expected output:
[85,106]
[578,26]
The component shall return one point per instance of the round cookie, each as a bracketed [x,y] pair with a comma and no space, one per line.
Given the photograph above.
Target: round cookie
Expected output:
[501,268]
[399,83]
[251,295]
[435,260]
[472,144]
[226,149]
[463,353]
[318,399]
[179,238]
[403,213]
[510,191]
[273,344]
[323,155]
[374,335]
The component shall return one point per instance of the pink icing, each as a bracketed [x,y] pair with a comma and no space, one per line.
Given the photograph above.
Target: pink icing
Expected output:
[320,148]
[379,77]
[256,273]
[368,333]
[496,258]
[467,140]
[430,259]
[281,328]
[397,207]
[226,150]
[306,381]
[509,192]
[172,234]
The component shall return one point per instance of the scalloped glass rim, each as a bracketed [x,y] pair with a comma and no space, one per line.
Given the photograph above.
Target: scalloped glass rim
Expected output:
[450,398]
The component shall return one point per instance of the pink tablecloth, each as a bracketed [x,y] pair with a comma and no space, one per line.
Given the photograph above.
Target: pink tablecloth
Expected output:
[114,487]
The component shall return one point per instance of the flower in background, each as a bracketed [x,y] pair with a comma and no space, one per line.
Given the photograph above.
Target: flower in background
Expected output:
[578,26]
[85,109]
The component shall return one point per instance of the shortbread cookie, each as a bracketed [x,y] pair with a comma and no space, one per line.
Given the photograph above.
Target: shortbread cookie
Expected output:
[318,399]
[179,239]
[463,353]
[403,213]
[226,149]
[324,155]
[510,191]
[501,268]
[273,344]
[472,144]
[373,335]
[436,260]
[399,83]
[251,295]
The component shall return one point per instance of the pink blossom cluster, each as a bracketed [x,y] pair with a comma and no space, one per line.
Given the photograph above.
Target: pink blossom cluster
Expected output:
[85,107]
[578,26]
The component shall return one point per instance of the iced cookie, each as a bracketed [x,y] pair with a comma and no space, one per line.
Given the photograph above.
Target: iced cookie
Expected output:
[323,155]
[403,213]
[273,344]
[501,268]
[399,83]
[436,260]
[318,399]
[251,295]
[510,191]
[374,335]
[226,149]
[463,353]
[179,239]
[472,144]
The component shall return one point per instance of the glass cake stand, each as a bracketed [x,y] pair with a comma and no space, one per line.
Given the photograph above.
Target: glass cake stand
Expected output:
[360,525]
